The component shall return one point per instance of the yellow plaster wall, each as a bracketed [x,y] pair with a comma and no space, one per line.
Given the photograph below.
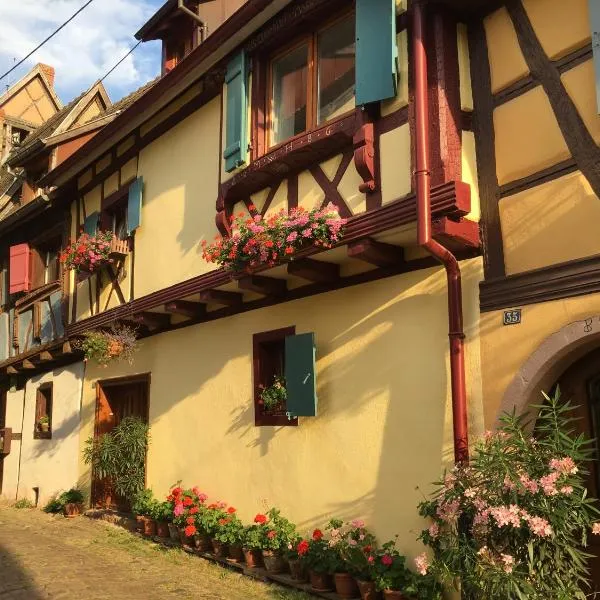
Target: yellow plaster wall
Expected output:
[181,172]
[103,163]
[528,138]
[396,176]
[560,26]
[504,350]
[91,111]
[22,103]
[507,64]
[580,84]
[464,68]
[111,184]
[92,202]
[84,179]
[469,172]
[379,400]
[551,223]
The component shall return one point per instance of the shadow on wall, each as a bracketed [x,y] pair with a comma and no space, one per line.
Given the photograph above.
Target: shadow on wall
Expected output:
[51,447]
[14,578]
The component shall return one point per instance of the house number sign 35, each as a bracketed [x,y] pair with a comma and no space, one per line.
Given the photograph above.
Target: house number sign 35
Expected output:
[512,317]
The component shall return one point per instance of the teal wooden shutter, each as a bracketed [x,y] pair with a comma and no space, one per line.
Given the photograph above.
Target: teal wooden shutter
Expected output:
[90,225]
[134,205]
[595,25]
[236,144]
[376,51]
[300,379]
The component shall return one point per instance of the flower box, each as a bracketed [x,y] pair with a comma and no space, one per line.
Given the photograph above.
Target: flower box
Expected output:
[89,253]
[118,248]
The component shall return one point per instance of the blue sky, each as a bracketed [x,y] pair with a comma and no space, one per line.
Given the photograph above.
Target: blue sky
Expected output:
[85,49]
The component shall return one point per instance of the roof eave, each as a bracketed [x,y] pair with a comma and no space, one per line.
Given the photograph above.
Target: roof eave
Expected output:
[17,159]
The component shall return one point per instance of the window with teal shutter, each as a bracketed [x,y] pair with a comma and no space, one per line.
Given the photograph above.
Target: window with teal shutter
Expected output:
[595,25]
[90,225]
[376,51]
[236,143]
[300,377]
[134,205]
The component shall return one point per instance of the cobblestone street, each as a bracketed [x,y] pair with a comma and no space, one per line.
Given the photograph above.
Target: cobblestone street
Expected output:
[50,557]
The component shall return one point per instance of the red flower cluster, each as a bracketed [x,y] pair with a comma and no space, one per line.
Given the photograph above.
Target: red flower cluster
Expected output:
[260,519]
[88,252]
[302,548]
[317,535]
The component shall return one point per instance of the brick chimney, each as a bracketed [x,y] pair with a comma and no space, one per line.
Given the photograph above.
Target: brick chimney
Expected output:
[48,72]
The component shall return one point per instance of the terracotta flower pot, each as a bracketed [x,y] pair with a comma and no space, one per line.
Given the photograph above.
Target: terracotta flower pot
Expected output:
[149,527]
[203,543]
[345,586]
[139,523]
[394,595]
[253,558]
[321,582]
[162,529]
[219,548]
[173,532]
[274,562]
[236,553]
[72,510]
[368,591]
[298,570]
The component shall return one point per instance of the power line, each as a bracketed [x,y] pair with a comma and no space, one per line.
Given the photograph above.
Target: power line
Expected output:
[46,40]
[123,59]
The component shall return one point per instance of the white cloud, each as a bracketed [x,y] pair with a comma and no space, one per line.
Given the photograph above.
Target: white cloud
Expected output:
[86,48]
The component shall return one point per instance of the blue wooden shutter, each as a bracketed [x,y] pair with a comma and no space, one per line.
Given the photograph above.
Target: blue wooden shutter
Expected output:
[376,51]
[134,205]
[595,25]
[300,379]
[236,143]
[90,225]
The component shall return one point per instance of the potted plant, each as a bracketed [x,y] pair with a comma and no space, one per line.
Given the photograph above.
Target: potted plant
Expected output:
[209,521]
[89,252]
[423,587]
[188,509]
[105,346]
[321,560]
[140,508]
[355,545]
[162,516]
[274,397]
[228,536]
[72,502]
[390,574]
[295,558]
[277,533]
[150,516]
[252,539]
[44,424]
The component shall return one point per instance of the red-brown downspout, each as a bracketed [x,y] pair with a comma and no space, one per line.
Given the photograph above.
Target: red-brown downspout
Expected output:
[423,186]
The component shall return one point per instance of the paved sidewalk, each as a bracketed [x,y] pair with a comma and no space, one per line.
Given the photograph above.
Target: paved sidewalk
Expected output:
[50,557]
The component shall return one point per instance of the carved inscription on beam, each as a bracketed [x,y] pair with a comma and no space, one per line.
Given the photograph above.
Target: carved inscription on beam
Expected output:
[221,297]
[268,286]
[314,270]
[193,310]
[376,253]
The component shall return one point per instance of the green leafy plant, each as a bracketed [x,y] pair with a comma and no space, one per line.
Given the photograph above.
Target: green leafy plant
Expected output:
[388,568]
[164,512]
[274,397]
[271,532]
[354,544]
[141,503]
[58,503]
[230,530]
[44,420]
[117,343]
[318,554]
[23,503]
[120,456]
[515,523]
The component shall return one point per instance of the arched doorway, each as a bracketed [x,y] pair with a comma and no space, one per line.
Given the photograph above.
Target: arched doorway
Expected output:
[580,385]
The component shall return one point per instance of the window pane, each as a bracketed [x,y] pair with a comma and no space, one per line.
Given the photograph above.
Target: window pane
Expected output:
[336,56]
[290,84]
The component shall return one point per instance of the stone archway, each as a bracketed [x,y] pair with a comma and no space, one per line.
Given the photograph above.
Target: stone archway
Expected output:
[552,357]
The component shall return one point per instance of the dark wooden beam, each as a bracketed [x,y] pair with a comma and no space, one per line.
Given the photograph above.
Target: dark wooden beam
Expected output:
[192,310]
[314,270]
[268,286]
[456,235]
[27,364]
[221,297]
[152,321]
[376,253]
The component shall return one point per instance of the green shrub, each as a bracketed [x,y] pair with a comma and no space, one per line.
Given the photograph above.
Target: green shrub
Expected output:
[57,504]
[23,503]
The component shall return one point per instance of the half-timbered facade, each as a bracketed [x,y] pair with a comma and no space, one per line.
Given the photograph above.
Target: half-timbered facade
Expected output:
[402,115]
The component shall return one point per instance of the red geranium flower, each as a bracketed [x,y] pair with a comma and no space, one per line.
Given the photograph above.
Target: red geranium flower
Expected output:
[187,501]
[367,549]
[224,521]
[190,520]
[231,510]
[302,548]
[271,534]
[190,530]
[386,560]
[317,535]
[289,250]
[212,506]
[193,510]
[260,519]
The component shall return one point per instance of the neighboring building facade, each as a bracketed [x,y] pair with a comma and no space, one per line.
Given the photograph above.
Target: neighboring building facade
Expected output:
[286,104]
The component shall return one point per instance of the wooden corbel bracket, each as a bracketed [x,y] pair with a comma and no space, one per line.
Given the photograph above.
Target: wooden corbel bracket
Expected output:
[364,153]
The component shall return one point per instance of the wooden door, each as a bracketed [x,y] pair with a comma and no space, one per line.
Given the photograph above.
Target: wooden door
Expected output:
[2,425]
[580,385]
[114,402]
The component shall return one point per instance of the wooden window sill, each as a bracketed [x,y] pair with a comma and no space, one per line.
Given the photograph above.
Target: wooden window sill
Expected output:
[42,435]
[293,156]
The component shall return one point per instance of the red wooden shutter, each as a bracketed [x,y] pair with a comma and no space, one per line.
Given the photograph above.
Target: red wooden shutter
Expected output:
[19,269]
